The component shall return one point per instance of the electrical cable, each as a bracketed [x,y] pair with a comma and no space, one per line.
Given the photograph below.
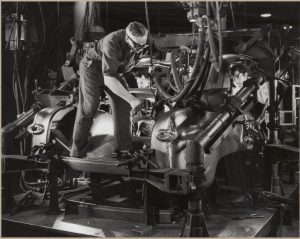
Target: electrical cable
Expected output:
[11,31]
[150,41]
[44,30]
[218,65]
[171,84]
[16,66]
[189,83]
[199,53]
[175,71]
[149,36]
[217,56]
[202,73]
[232,15]
[17,73]
[26,87]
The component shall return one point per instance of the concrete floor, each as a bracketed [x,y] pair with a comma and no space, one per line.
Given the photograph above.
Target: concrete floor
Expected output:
[291,230]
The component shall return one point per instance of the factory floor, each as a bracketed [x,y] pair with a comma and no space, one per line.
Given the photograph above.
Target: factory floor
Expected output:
[291,230]
[37,221]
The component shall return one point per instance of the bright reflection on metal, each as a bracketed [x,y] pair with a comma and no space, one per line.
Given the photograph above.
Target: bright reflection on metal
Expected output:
[266,15]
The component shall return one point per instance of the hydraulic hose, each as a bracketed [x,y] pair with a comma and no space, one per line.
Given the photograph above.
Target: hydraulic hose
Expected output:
[174,70]
[149,33]
[217,57]
[164,93]
[201,72]
[189,83]
[199,52]
[171,84]
[169,97]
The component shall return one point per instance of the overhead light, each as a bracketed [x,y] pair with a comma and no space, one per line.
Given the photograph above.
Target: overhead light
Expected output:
[266,15]
[287,27]
[192,20]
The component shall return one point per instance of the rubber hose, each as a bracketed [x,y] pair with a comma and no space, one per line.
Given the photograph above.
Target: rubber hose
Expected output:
[199,77]
[202,75]
[169,97]
[171,84]
[160,88]
[205,77]
[188,85]
[218,59]
[198,53]
[174,70]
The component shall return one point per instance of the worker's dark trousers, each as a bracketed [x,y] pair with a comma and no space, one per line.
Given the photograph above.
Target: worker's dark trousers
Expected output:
[91,81]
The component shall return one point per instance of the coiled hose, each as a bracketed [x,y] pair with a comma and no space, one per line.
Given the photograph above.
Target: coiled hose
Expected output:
[182,92]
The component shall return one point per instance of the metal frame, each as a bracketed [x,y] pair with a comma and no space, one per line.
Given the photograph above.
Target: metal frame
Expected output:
[294,102]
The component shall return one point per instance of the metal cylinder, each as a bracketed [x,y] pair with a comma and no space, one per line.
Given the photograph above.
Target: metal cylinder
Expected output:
[22,121]
[213,128]
[171,153]
[194,155]
[226,115]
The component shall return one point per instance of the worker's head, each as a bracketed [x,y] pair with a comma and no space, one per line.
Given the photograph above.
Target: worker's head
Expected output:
[136,35]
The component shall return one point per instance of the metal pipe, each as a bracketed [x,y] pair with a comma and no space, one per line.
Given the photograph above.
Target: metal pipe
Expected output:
[22,121]
[228,113]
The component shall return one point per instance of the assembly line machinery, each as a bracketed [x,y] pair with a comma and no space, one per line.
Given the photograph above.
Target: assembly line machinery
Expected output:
[218,98]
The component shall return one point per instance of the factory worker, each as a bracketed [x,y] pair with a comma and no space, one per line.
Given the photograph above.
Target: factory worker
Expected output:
[113,55]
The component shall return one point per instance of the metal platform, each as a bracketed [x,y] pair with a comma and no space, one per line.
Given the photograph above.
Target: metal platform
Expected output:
[38,222]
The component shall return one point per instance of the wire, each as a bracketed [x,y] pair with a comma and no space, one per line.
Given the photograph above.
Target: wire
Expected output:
[11,31]
[26,82]
[148,26]
[232,15]
[217,56]
[44,30]
[17,73]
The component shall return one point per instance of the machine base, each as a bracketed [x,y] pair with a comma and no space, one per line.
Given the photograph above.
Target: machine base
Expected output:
[80,218]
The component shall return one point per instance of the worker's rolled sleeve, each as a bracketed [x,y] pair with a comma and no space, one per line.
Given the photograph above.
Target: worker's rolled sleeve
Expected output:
[110,62]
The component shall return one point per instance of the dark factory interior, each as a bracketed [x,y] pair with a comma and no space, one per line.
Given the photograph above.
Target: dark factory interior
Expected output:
[150,119]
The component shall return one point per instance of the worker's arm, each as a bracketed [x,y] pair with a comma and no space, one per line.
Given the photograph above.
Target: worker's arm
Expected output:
[110,63]
[117,88]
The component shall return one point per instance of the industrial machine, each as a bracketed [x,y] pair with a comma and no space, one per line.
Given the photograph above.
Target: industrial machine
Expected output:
[207,104]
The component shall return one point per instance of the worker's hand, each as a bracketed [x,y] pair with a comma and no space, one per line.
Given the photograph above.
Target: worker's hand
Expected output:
[168,58]
[136,106]
[136,103]
[73,41]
